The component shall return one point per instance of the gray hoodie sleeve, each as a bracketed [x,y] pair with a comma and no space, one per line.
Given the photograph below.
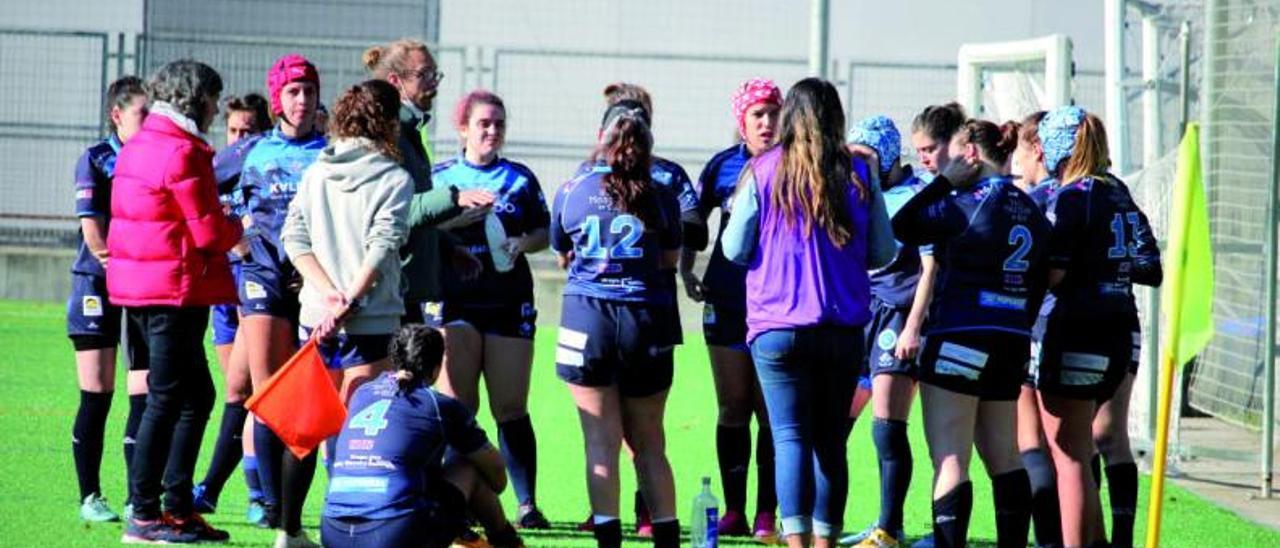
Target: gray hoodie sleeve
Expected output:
[389,228]
[295,235]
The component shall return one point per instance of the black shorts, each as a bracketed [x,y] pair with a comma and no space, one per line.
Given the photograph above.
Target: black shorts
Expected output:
[606,343]
[725,326]
[1037,337]
[344,350]
[508,320]
[1083,363]
[265,292]
[986,364]
[882,339]
[93,323]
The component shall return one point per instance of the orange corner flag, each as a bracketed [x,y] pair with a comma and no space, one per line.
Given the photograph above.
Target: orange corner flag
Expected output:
[299,402]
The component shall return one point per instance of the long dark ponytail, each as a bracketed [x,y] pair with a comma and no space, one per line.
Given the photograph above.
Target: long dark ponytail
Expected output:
[626,146]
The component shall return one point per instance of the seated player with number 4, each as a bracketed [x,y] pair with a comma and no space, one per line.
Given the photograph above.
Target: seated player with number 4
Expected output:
[412,463]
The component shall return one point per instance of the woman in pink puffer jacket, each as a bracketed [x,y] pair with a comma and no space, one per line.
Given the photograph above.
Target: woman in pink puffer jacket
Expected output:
[167,246]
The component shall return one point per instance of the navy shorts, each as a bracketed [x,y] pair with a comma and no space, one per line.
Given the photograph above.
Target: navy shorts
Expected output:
[725,326]
[986,364]
[264,292]
[345,350]
[606,343]
[515,320]
[434,527]
[226,317]
[882,339]
[1083,363]
[93,323]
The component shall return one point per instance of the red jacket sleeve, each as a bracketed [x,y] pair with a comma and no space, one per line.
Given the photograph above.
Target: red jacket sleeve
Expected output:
[195,190]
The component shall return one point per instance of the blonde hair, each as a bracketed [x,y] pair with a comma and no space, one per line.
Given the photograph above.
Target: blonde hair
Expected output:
[1089,155]
[393,57]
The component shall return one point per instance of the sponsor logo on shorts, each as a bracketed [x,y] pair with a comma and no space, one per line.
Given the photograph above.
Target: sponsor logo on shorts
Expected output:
[887,340]
[1080,369]
[527,310]
[574,339]
[886,360]
[571,358]
[961,361]
[254,290]
[91,305]
[569,346]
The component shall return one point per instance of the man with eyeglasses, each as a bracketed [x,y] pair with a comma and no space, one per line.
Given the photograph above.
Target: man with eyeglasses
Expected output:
[409,66]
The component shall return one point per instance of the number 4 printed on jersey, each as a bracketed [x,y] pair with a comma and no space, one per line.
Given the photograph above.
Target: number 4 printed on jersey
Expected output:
[372,419]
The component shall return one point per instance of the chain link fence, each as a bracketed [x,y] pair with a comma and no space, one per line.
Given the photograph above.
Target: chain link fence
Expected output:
[44,128]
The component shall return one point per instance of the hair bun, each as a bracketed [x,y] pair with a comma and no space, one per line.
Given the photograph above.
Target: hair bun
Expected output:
[1008,137]
[371,57]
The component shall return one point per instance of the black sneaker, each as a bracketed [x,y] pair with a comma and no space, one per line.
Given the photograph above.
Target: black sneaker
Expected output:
[531,518]
[198,527]
[157,531]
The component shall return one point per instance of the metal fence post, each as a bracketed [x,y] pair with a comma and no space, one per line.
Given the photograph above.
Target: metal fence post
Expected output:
[1113,60]
[819,26]
[1269,338]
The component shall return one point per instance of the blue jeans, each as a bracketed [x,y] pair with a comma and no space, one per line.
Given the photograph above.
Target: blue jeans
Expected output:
[808,377]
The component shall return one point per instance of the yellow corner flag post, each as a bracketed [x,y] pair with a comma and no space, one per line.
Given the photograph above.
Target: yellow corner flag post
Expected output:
[1187,298]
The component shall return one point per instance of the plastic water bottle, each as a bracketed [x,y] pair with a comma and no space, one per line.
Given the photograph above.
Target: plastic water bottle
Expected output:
[705,524]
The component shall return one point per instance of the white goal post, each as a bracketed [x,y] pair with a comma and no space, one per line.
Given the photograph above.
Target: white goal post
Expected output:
[1053,52]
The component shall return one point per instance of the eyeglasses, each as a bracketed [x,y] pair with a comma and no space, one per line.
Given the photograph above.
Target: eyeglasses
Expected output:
[429,75]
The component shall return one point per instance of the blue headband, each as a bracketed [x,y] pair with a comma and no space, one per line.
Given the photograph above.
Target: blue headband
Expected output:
[879,133]
[1058,135]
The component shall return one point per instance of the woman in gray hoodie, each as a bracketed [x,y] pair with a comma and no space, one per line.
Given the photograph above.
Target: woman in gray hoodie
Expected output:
[343,232]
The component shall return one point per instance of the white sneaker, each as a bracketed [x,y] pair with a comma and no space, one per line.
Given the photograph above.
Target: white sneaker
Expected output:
[300,540]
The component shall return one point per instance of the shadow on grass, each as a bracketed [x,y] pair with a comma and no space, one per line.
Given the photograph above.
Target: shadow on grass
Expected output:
[563,532]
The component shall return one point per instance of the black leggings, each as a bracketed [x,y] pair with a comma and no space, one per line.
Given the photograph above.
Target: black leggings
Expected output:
[180,395]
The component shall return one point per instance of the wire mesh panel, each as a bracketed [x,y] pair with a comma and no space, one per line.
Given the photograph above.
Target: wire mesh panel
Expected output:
[554,99]
[243,63]
[899,91]
[328,19]
[1227,379]
[44,128]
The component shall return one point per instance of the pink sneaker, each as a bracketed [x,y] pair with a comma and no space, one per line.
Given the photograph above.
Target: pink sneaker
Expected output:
[765,528]
[733,524]
[588,524]
[644,527]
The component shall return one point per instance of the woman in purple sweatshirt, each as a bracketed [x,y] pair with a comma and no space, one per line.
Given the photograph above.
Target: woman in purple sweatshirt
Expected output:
[808,226]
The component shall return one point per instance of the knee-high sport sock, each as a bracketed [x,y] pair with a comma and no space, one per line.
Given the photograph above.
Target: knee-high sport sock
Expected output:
[766,488]
[520,449]
[642,509]
[1095,466]
[296,481]
[1012,494]
[137,406]
[270,451]
[227,451]
[608,532]
[951,517]
[1047,518]
[894,453]
[733,450]
[249,466]
[1122,481]
[87,434]
[666,533]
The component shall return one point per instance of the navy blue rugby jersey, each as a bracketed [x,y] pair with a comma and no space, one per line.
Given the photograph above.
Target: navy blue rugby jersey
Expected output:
[391,445]
[895,283]
[1104,242]
[991,243]
[521,207]
[94,172]
[725,280]
[272,171]
[616,255]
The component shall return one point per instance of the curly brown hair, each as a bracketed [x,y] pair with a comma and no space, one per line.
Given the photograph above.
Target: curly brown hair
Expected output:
[370,110]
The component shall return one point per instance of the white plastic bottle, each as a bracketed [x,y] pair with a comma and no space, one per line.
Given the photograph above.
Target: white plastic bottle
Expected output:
[704,525]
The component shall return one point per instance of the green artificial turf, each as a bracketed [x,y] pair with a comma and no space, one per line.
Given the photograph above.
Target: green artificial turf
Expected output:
[38,398]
